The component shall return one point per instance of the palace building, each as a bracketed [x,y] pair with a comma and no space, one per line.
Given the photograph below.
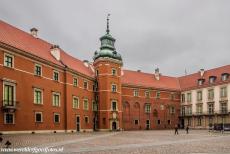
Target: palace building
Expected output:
[44,89]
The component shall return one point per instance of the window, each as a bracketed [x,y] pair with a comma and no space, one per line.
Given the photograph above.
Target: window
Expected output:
[199,108]
[224,76]
[56,118]
[147,94]
[114,88]
[9,94]
[56,99]
[114,71]
[9,118]
[85,84]
[210,108]
[189,110]
[183,110]
[8,60]
[200,82]
[223,107]
[199,121]
[172,96]
[86,104]
[38,70]
[75,82]
[147,108]
[135,93]
[212,79]
[223,92]
[210,94]
[199,96]
[75,102]
[158,121]
[97,72]
[56,76]
[136,122]
[189,97]
[86,119]
[158,94]
[38,117]
[114,105]
[95,106]
[182,98]
[169,122]
[38,96]
[172,110]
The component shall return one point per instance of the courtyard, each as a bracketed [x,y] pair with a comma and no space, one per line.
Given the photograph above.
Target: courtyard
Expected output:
[153,141]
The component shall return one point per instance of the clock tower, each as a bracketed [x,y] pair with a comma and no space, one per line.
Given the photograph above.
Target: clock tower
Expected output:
[107,64]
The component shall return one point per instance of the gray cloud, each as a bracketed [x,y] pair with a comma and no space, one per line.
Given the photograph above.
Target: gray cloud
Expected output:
[172,35]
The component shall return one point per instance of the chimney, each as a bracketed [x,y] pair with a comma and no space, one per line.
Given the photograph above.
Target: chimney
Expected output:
[157,74]
[55,52]
[202,72]
[34,32]
[86,63]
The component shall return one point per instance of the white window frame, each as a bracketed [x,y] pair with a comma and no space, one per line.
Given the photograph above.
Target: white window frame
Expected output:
[221,92]
[10,55]
[37,89]
[35,69]
[115,88]
[147,94]
[112,105]
[14,94]
[73,81]
[135,122]
[146,109]
[59,118]
[189,97]
[5,118]
[55,71]
[114,74]
[86,109]
[56,93]
[78,103]
[158,94]
[35,119]
[199,95]
[87,86]
[135,92]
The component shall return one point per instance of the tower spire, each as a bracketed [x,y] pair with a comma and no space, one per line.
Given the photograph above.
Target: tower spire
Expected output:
[107,30]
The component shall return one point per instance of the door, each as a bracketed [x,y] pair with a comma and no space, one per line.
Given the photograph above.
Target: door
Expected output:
[78,123]
[147,124]
[114,126]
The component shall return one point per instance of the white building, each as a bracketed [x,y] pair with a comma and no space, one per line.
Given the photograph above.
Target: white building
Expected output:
[205,98]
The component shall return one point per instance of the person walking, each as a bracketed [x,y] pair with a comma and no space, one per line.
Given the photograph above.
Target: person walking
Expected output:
[187,128]
[176,129]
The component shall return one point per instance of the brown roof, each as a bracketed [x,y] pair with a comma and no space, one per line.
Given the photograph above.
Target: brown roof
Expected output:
[38,47]
[148,80]
[190,81]
[24,41]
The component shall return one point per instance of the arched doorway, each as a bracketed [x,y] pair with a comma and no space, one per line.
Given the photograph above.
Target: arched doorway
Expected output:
[114,126]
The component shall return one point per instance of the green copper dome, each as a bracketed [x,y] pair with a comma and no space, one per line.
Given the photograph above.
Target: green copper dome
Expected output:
[107,48]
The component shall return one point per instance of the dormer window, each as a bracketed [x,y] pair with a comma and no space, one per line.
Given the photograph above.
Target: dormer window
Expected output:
[200,82]
[224,76]
[212,79]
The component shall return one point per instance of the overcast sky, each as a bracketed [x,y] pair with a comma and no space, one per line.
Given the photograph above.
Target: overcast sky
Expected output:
[173,35]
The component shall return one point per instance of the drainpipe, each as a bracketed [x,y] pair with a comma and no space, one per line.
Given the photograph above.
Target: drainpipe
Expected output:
[65,95]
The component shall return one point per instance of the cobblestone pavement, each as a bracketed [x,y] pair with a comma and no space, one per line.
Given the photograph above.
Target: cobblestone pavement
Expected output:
[133,142]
